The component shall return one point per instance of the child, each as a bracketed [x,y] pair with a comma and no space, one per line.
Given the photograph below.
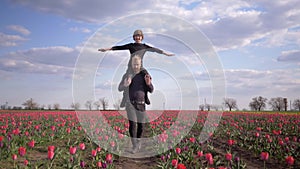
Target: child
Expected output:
[136,48]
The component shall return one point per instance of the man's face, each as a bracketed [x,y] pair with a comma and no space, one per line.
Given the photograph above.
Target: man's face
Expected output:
[136,65]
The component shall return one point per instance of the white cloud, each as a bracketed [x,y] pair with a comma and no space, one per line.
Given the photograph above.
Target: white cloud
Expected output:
[10,40]
[229,24]
[19,29]
[83,30]
[50,60]
[290,56]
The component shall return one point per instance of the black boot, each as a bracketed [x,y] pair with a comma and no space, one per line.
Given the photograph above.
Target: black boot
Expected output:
[135,146]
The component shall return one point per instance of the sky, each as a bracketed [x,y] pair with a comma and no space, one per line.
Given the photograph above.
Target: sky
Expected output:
[223,49]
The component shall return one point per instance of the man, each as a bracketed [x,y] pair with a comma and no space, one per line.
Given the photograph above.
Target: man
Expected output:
[138,85]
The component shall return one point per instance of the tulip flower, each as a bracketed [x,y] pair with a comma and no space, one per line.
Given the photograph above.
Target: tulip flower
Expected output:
[192,139]
[108,158]
[209,158]
[290,160]
[50,155]
[178,150]
[230,142]
[99,164]
[181,166]
[174,162]
[26,162]
[228,156]
[94,153]
[199,153]
[264,156]
[22,151]
[31,144]
[14,157]
[82,146]
[51,148]
[73,150]
[82,164]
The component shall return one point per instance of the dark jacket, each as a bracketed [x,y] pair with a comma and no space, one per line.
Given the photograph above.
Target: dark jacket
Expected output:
[126,91]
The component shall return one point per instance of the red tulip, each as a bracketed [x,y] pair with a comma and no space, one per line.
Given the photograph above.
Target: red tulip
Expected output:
[99,164]
[230,142]
[25,162]
[181,166]
[290,160]
[108,158]
[50,155]
[228,156]
[31,144]
[94,153]
[192,139]
[73,150]
[199,153]
[14,156]
[51,148]
[22,151]
[82,146]
[209,158]
[264,156]
[174,162]
[1,138]
[178,150]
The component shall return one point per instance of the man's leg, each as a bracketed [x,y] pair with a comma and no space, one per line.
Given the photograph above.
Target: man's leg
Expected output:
[132,122]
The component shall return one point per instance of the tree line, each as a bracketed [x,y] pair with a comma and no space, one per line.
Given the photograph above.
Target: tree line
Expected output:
[256,104]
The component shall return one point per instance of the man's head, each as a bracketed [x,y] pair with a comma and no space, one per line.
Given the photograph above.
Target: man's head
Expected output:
[136,64]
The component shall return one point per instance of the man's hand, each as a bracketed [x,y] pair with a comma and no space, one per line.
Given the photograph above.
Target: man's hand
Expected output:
[148,79]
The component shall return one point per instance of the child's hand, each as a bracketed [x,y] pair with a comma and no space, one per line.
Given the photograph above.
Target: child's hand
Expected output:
[148,79]
[127,81]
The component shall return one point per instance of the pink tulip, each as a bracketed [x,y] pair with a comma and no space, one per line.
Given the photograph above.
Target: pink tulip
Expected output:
[228,156]
[290,160]
[51,148]
[264,156]
[174,162]
[73,150]
[82,146]
[94,153]
[50,155]
[22,151]
[31,144]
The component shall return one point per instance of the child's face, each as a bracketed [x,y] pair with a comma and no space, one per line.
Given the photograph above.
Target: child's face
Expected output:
[138,38]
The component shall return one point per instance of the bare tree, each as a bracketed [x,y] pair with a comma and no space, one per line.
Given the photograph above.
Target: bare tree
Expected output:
[104,103]
[296,104]
[277,103]
[201,107]
[117,104]
[30,104]
[258,103]
[75,106]
[208,106]
[97,104]
[49,106]
[88,104]
[56,106]
[230,103]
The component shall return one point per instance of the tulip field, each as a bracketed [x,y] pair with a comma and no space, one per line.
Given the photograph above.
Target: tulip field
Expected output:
[56,139]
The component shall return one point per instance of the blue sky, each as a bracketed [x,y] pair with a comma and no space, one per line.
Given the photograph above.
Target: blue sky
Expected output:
[256,42]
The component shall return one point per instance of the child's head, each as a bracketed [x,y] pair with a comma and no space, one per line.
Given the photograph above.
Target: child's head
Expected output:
[138,35]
